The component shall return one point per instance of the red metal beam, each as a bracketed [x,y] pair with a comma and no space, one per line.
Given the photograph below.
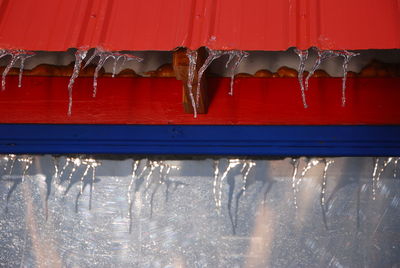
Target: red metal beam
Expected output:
[256,101]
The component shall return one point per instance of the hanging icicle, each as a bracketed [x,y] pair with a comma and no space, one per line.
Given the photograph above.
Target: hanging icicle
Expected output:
[303,55]
[80,55]
[192,55]
[237,56]
[347,55]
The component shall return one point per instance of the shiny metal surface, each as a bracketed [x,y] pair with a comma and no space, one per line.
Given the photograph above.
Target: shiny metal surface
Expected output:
[175,219]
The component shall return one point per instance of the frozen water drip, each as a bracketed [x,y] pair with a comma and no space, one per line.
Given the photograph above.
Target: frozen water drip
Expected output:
[347,55]
[303,55]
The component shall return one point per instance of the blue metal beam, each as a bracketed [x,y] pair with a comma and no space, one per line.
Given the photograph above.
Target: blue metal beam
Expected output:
[201,140]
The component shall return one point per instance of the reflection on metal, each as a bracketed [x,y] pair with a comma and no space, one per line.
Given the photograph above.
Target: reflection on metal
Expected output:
[161,213]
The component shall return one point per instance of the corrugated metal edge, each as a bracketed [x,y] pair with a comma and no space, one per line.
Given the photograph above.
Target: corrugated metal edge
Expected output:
[224,24]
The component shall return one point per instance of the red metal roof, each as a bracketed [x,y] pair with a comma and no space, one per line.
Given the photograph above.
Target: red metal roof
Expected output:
[56,25]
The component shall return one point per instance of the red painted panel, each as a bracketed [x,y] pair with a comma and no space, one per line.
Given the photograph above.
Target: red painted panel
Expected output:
[219,24]
[256,101]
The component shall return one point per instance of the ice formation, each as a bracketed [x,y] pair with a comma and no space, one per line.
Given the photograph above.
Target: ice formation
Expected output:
[80,55]
[103,56]
[17,54]
[192,55]
[235,56]
[322,55]
[347,55]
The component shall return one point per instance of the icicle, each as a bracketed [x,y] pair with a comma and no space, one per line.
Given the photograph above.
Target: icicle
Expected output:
[23,57]
[92,164]
[303,55]
[216,175]
[103,57]
[80,55]
[374,178]
[249,165]
[322,55]
[192,55]
[153,166]
[16,55]
[232,163]
[240,55]
[324,178]
[134,170]
[82,180]
[295,164]
[347,55]
[26,163]
[395,167]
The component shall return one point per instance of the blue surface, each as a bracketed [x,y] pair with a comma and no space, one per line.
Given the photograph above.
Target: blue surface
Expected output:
[209,140]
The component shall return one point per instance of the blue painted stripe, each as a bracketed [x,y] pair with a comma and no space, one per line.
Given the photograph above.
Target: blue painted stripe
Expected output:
[209,140]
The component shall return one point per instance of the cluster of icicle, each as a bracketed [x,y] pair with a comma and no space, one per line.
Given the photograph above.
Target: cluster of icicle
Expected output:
[16,55]
[235,56]
[103,56]
[322,55]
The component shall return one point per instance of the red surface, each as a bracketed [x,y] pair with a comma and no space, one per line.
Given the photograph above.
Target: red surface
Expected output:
[158,101]
[56,25]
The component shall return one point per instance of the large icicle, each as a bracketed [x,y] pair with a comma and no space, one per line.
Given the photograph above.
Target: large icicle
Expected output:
[347,55]
[192,55]
[322,55]
[303,55]
[16,55]
[80,54]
